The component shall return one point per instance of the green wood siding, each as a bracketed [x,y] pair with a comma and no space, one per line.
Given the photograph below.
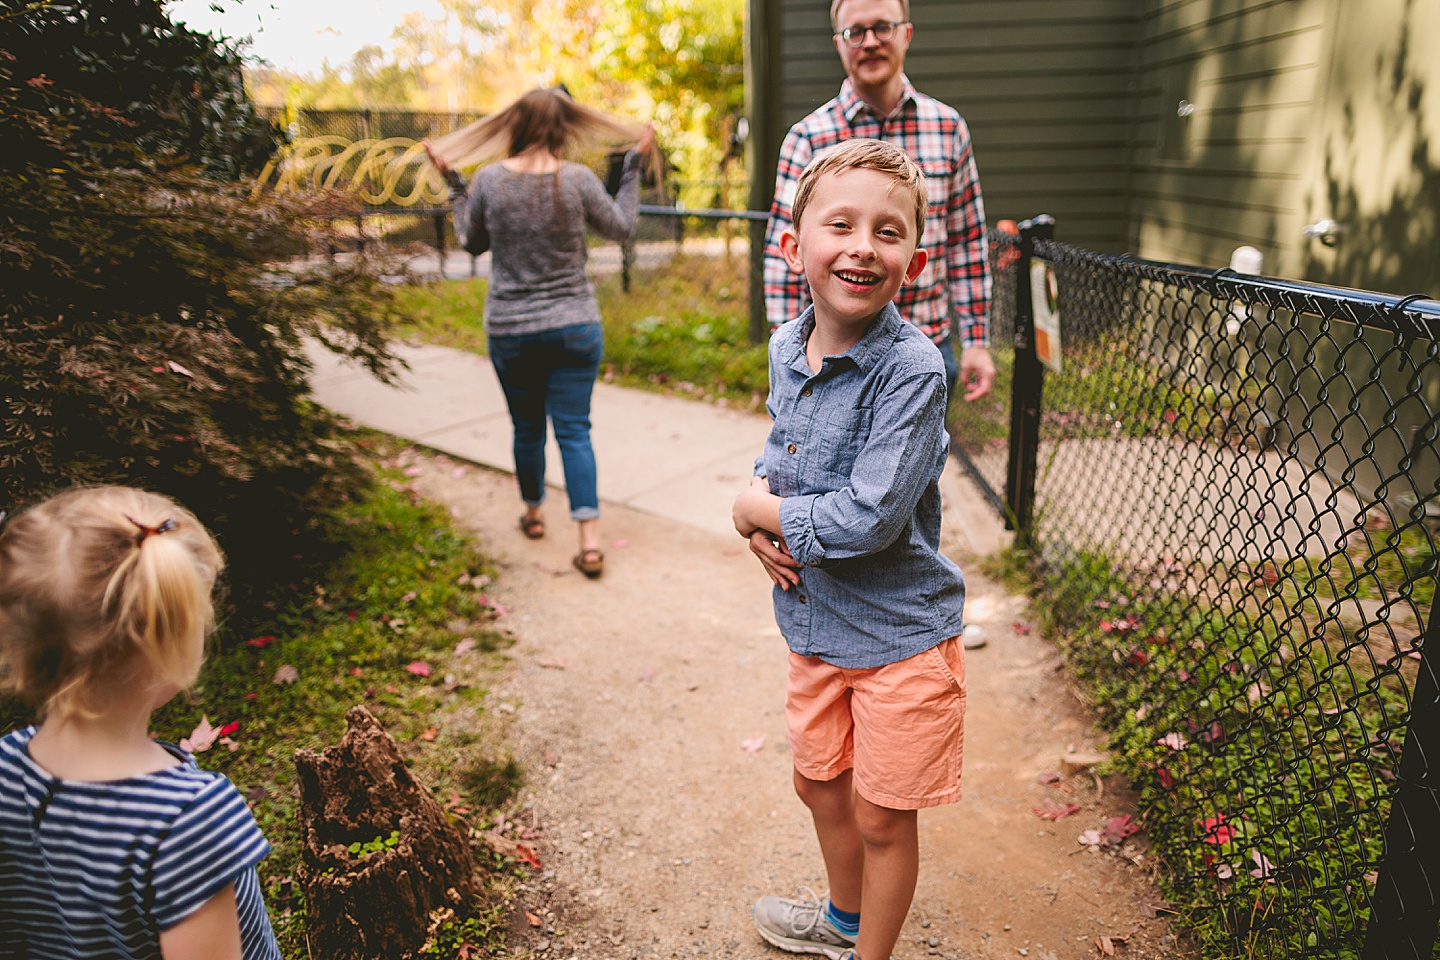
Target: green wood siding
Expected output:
[1297,110]
[1232,171]
[1045,86]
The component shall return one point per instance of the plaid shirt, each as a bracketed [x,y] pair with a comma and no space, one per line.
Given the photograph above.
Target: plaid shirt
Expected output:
[937,138]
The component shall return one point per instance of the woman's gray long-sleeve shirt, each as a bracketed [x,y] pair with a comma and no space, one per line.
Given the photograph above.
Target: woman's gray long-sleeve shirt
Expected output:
[536,224]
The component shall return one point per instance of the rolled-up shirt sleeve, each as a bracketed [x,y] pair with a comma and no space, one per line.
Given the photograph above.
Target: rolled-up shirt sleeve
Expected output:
[469,213]
[869,512]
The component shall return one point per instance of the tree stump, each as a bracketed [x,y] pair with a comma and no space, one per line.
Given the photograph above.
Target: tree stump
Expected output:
[378,905]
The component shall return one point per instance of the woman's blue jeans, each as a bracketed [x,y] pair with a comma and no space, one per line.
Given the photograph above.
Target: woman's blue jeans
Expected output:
[551,374]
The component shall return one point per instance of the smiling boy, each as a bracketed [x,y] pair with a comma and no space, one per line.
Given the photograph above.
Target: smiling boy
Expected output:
[844,515]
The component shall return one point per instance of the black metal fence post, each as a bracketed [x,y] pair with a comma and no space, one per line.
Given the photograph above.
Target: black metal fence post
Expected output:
[1027,389]
[440,240]
[1405,908]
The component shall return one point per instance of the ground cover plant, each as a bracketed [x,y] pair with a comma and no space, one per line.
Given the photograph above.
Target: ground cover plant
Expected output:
[400,621]
[1263,746]
[682,328]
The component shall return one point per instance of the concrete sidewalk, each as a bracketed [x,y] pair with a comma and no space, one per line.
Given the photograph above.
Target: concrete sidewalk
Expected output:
[664,455]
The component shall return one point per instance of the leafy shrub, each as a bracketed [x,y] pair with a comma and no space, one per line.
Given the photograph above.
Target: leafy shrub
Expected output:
[146,335]
[174,90]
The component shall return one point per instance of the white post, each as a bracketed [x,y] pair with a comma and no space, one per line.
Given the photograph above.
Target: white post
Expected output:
[1249,261]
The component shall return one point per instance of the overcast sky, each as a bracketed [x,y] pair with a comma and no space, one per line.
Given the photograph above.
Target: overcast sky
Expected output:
[301,34]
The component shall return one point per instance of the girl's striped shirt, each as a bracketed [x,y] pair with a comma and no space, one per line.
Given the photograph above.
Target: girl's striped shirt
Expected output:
[98,870]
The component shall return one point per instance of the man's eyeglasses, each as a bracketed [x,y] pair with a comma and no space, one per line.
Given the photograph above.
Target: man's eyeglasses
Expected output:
[884,32]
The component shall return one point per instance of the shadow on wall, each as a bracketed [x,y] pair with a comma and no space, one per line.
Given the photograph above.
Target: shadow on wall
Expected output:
[1394,248]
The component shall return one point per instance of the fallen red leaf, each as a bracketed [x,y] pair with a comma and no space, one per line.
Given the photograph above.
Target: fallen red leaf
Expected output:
[429,734]
[260,641]
[1021,628]
[232,727]
[420,668]
[1050,810]
[1118,828]
[1217,830]
[525,854]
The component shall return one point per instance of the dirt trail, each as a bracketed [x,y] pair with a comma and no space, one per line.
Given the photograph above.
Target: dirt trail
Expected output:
[631,699]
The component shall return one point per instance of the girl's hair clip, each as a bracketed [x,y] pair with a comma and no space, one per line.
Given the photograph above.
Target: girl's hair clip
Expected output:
[164,526]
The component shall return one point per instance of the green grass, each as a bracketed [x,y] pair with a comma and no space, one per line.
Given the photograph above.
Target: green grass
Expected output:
[402,590]
[683,328]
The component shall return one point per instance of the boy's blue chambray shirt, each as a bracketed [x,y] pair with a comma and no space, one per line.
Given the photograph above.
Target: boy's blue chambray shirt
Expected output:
[856,451]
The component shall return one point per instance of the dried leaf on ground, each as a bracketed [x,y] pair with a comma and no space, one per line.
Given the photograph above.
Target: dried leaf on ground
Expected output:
[501,844]
[201,738]
[429,733]
[1106,943]
[286,674]
[533,920]
[754,744]
[464,646]
[1217,829]
[1118,828]
[1050,810]
[553,664]
[526,854]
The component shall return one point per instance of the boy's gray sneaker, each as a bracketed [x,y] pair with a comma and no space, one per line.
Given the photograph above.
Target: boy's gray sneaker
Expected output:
[800,926]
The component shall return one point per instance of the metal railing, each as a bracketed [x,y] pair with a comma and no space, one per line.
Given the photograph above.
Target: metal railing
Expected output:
[1227,489]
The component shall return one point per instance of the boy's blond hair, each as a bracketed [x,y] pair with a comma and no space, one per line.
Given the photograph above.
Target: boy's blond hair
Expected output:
[95,582]
[835,13]
[861,153]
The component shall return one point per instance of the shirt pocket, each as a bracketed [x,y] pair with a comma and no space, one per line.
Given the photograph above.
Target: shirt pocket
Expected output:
[843,436]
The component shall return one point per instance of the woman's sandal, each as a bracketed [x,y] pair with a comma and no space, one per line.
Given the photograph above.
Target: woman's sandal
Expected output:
[532,527]
[590,562]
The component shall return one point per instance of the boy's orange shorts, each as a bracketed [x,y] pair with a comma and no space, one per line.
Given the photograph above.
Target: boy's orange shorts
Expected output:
[900,727]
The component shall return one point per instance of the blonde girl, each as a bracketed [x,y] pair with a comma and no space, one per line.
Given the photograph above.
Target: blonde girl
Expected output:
[112,844]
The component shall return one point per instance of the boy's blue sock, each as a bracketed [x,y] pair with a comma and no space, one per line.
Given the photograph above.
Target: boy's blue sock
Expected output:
[846,922]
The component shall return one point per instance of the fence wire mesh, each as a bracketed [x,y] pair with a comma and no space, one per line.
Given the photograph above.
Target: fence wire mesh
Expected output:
[1234,523]
[372,123]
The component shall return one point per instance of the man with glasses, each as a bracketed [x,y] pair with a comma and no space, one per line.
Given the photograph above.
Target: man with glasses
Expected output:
[876,100]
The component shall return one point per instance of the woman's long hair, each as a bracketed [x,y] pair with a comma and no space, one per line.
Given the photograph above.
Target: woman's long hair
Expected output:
[548,118]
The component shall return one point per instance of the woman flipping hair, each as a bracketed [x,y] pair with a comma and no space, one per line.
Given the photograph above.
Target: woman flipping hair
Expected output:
[531,210]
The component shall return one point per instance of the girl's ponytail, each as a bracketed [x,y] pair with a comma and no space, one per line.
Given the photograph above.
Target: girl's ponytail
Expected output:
[95,582]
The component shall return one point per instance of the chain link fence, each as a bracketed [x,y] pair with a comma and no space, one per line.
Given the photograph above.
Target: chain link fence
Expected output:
[367,123]
[1228,495]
